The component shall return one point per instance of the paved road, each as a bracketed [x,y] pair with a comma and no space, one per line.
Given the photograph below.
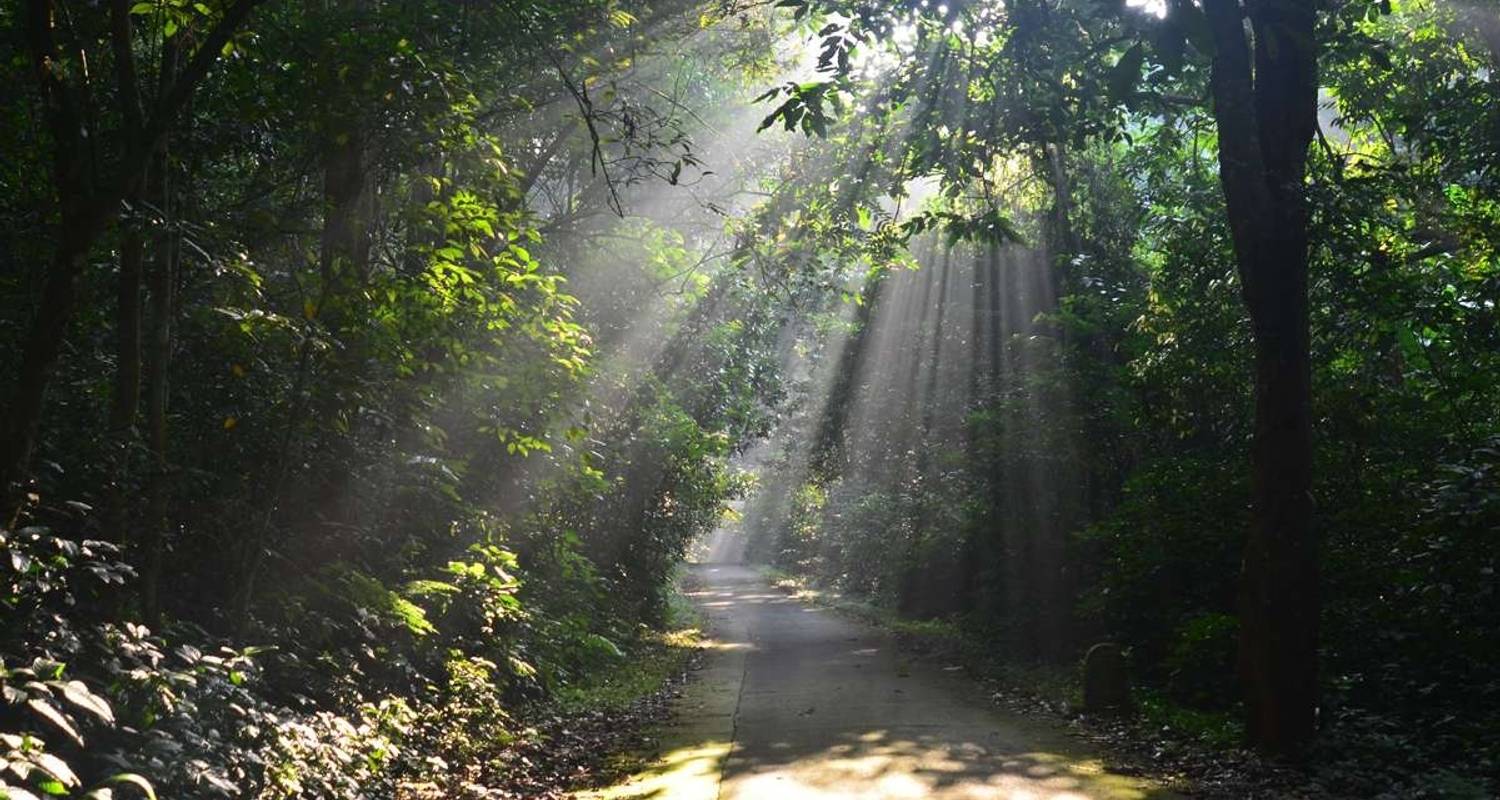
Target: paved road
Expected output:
[797,702]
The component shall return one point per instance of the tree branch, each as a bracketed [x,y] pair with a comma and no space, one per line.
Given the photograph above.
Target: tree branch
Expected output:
[1241,160]
[586,107]
[104,205]
[125,75]
[202,60]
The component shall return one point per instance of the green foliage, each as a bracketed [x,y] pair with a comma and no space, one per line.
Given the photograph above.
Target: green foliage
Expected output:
[803,106]
[195,718]
[1216,729]
[1100,490]
[1200,663]
[373,427]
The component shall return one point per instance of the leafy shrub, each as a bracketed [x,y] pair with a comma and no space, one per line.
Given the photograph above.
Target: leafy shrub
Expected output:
[194,717]
[1201,661]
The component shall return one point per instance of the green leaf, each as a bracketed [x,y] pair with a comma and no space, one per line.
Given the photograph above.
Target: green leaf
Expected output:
[413,616]
[428,588]
[520,668]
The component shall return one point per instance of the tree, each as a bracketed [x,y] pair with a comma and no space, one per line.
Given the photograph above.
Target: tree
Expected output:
[1044,85]
[1265,87]
[88,203]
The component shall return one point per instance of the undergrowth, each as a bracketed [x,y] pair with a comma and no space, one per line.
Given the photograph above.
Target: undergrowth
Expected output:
[653,659]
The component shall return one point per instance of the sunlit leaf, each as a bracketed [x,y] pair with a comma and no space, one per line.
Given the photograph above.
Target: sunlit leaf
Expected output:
[47,711]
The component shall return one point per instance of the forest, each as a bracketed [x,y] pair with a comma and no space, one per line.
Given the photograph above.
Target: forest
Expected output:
[385,379]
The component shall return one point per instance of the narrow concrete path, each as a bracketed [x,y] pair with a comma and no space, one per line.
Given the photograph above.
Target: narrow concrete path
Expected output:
[796,702]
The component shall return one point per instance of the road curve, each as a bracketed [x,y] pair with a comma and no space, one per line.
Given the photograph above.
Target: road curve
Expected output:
[798,703]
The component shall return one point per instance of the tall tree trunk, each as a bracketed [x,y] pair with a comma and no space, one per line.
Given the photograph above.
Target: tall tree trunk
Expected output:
[126,400]
[72,182]
[1265,106]
[163,285]
[1063,235]
[345,255]
[826,452]
[344,265]
[127,391]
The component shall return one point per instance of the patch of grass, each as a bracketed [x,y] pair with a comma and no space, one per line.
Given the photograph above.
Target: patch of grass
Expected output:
[925,628]
[1218,729]
[649,662]
[932,631]
[804,589]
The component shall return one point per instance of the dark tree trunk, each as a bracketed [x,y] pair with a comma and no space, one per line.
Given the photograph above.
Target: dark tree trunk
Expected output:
[126,400]
[161,190]
[1279,586]
[163,285]
[1063,235]
[158,523]
[1265,105]
[127,390]
[127,394]
[826,453]
[71,179]
[39,356]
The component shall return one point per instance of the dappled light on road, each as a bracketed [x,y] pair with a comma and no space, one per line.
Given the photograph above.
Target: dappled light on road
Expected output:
[688,772]
[880,764]
[797,703]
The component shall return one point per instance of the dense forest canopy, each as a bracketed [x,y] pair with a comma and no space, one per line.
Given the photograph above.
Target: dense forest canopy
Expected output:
[373,365]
